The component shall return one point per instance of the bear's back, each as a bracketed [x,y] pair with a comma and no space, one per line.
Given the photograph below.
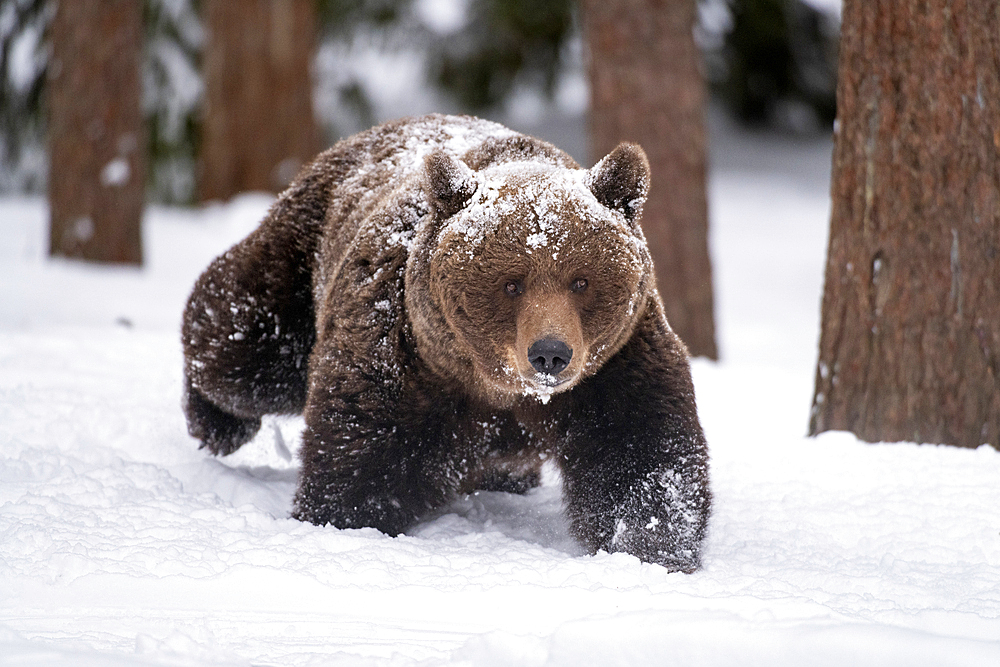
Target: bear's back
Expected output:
[374,163]
[378,168]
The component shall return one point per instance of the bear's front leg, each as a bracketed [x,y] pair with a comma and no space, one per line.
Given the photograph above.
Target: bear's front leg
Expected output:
[635,464]
[377,451]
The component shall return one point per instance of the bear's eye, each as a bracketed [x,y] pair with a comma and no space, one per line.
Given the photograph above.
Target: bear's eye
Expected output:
[579,285]
[513,288]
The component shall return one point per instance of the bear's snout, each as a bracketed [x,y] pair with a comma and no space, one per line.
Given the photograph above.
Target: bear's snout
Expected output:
[549,356]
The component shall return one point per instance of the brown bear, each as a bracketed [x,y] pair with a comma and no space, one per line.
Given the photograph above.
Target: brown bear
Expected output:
[451,304]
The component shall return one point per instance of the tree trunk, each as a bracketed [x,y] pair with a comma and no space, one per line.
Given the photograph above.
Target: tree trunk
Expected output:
[97,168]
[910,344]
[259,126]
[646,87]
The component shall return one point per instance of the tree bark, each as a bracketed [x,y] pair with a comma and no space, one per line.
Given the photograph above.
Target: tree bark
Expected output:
[910,343]
[259,126]
[646,87]
[97,146]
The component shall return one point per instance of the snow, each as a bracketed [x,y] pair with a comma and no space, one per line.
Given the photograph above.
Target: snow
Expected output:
[831,7]
[443,17]
[115,173]
[514,189]
[122,544]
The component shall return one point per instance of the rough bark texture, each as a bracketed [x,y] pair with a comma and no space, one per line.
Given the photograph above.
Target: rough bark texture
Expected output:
[910,345]
[646,87]
[96,143]
[259,127]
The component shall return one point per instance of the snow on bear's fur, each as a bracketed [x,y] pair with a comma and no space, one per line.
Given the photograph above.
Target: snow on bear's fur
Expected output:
[450,304]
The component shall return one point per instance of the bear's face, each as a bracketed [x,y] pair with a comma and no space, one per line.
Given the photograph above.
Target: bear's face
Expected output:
[541,272]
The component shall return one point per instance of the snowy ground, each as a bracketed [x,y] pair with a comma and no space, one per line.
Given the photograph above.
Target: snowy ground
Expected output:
[121,544]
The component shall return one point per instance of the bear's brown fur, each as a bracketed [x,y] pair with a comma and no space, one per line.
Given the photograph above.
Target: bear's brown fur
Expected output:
[451,303]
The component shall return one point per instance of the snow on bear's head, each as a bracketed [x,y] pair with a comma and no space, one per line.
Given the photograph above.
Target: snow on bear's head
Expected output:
[538,271]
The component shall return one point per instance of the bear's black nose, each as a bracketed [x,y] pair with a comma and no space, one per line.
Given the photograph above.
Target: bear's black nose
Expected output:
[549,355]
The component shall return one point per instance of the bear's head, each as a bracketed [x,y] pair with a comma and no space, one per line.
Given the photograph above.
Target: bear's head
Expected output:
[533,272]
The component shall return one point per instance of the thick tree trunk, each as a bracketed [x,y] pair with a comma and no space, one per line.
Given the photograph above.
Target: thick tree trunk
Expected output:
[97,167]
[910,345]
[646,87]
[259,126]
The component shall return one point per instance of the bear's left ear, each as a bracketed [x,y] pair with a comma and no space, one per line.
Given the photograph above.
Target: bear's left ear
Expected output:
[451,182]
[620,180]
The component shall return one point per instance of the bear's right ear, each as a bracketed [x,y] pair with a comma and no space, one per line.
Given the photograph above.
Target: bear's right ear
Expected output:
[451,182]
[620,180]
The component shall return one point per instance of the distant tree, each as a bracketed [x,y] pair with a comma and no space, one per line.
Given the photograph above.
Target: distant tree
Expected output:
[258,126]
[504,42]
[173,91]
[646,87]
[779,51]
[910,344]
[96,140]
[22,26]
